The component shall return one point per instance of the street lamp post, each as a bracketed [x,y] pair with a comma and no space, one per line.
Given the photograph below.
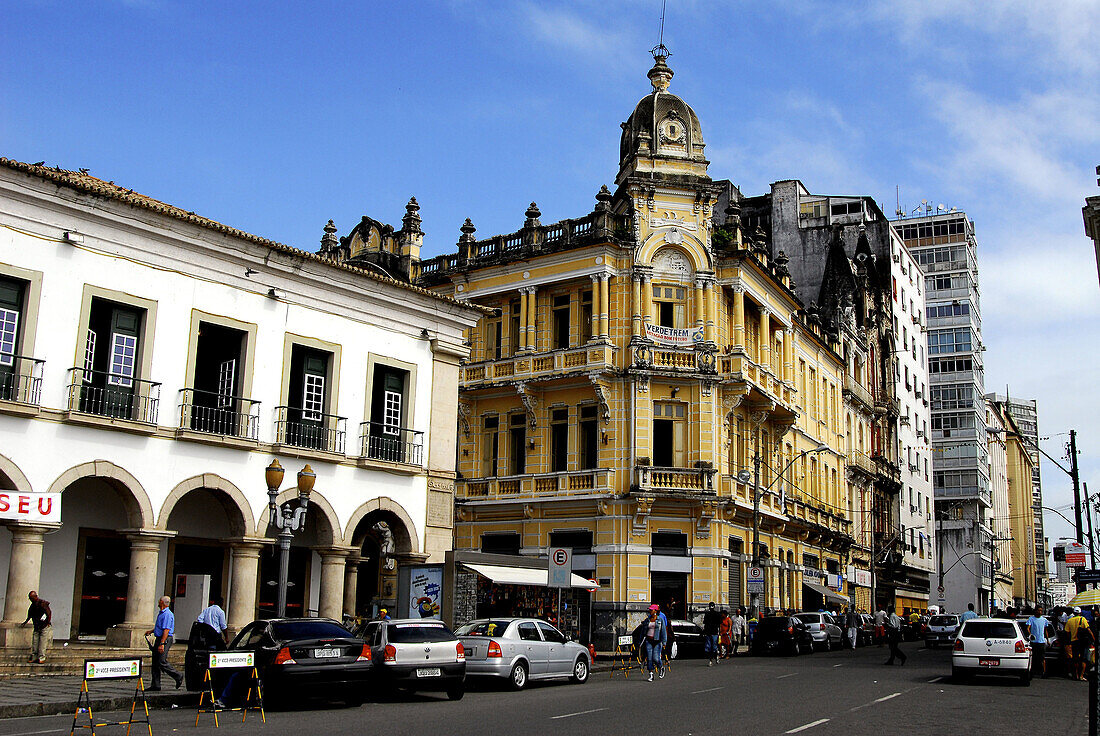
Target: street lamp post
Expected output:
[288,519]
[757,492]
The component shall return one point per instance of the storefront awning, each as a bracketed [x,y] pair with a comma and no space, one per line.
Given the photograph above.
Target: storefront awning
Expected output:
[522,575]
[826,593]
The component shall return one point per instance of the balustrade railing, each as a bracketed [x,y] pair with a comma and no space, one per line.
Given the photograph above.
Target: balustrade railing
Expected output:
[389,443]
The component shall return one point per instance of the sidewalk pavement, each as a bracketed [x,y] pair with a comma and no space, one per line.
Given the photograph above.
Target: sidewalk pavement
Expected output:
[44,696]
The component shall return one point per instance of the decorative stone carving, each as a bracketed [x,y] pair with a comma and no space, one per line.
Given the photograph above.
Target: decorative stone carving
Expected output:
[530,403]
[671,260]
[706,515]
[640,522]
[601,396]
[386,545]
[464,411]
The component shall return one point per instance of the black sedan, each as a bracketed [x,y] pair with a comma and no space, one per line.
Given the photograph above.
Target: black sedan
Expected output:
[782,635]
[687,639]
[296,657]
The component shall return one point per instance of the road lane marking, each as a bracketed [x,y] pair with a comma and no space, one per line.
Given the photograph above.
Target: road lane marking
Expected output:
[886,697]
[792,674]
[708,690]
[31,733]
[808,725]
[838,665]
[578,713]
[936,679]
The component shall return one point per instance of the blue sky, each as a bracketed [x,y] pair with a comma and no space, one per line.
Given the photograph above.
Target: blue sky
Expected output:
[275,117]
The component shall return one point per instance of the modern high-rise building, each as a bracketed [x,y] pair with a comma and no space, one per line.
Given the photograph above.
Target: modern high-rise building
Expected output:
[946,250]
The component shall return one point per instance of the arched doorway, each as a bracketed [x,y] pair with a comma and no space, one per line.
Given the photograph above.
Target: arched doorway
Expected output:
[383,533]
[89,596]
[204,511]
[321,530]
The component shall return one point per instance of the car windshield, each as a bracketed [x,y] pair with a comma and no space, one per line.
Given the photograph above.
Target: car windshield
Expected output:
[414,633]
[809,618]
[482,628]
[990,630]
[291,630]
[943,621]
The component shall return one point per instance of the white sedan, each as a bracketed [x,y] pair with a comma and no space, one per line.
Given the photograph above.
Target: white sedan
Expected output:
[991,646]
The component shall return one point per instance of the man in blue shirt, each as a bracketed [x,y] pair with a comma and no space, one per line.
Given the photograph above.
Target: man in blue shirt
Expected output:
[163,631]
[969,614]
[214,617]
[1037,625]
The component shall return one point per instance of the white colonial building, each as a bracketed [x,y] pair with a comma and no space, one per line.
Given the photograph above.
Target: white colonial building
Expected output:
[153,363]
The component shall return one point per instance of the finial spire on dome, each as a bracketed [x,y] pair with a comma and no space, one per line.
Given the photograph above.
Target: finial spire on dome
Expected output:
[660,76]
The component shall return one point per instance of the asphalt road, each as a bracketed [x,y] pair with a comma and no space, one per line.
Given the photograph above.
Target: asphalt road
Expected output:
[845,692]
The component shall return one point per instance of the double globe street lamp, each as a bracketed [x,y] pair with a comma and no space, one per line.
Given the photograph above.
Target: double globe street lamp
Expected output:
[288,519]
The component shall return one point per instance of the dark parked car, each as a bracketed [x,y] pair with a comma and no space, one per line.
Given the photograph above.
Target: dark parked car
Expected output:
[417,654]
[687,639]
[296,657]
[782,635]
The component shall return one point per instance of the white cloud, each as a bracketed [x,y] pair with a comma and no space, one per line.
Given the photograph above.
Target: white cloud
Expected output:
[1020,146]
[593,36]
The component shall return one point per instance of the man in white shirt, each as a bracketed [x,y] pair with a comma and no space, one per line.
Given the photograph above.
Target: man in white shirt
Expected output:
[880,626]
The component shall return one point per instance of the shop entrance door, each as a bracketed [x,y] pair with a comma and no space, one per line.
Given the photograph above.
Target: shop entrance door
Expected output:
[103,584]
[670,591]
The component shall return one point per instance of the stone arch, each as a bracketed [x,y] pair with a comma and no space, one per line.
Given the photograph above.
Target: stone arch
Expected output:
[139,510]
[319,508]
[236,505]
[12,472]
[689,245]
[404,534]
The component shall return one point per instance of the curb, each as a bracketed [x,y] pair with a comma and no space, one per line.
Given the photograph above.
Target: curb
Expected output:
[161,702]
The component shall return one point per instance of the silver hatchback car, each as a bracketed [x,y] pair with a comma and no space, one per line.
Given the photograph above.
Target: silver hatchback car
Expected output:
[520,650]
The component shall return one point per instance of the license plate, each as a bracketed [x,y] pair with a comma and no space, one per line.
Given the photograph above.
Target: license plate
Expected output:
[429,672]
[325,653]
[989,662]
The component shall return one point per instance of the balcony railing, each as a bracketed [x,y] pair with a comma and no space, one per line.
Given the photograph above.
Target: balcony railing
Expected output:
[534,365]
[861,461]
[565,482]
[113,395]
[310,430]
[21,378]
[687,480]
[213,413]
[739,363]
[386,442]
[858,392]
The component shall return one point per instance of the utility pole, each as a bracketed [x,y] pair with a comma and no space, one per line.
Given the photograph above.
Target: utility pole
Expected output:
[1092,548]
[1076,483]
[756,526]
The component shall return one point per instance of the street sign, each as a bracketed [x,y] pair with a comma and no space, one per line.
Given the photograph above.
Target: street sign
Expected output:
[756,580]
[595,585]
[1088,576]
[560,567]
[940,589]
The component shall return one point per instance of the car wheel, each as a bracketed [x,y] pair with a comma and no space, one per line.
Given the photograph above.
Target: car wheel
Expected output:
[456,692]
[1025,678]
[580,671]
[827,645]
[518,676]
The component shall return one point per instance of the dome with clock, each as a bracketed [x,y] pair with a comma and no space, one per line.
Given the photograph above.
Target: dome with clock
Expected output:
[662,135]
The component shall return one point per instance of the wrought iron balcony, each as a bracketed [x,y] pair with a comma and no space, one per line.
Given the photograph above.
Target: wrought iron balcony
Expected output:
[113,395]
[214,413]
[391,444]
[310,430]
[21,378]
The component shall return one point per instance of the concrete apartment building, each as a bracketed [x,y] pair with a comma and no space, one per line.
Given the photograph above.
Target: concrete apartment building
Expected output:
[946,251]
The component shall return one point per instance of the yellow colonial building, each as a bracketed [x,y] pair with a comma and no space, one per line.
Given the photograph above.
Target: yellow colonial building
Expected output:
[638,359]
